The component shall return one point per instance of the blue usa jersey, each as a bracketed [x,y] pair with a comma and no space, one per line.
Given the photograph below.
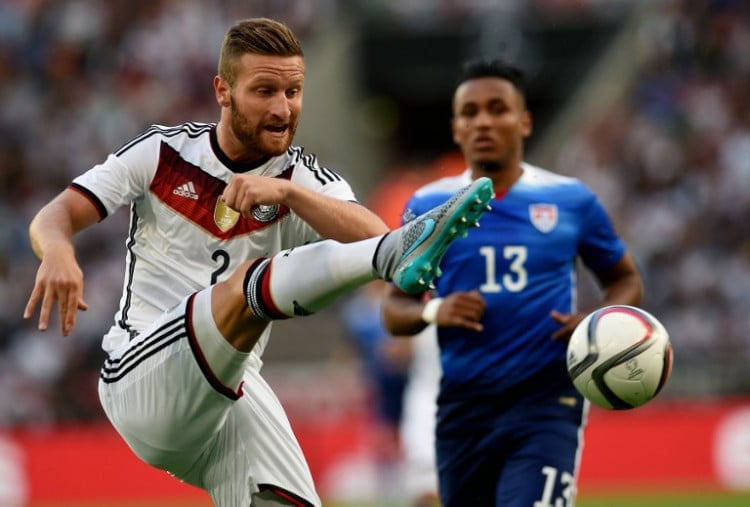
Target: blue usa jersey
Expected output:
[522,259]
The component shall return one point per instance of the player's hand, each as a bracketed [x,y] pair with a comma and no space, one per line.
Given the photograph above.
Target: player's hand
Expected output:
[462,309]
[244,191]
[568,321]
[59,280]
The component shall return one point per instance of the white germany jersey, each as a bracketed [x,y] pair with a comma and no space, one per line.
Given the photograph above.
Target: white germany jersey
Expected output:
[182,238]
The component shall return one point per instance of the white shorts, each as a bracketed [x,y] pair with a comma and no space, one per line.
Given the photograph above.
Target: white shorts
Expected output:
[187,402]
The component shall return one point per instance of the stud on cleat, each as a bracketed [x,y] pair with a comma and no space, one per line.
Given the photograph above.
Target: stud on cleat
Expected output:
[422,242]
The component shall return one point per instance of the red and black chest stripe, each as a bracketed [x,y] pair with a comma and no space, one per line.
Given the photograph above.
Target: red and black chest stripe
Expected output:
[195,194]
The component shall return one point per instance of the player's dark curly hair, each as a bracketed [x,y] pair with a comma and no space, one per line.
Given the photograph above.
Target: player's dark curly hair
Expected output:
[493,67]
[260,36]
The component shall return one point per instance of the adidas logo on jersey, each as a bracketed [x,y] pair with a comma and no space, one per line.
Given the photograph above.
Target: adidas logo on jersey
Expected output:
[186,190]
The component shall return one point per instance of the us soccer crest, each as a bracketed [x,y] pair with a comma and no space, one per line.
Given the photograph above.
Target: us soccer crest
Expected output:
[224,216]
[543,216]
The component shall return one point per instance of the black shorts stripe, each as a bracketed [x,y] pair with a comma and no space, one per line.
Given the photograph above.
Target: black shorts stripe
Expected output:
[168,328]
[115,369]
[125,369]
[176,329]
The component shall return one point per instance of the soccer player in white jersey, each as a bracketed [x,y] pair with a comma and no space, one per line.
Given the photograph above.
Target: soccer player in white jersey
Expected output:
[509,421]
[231,227]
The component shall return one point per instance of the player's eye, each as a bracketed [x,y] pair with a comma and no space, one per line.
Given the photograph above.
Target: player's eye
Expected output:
[469,111]
[498,108]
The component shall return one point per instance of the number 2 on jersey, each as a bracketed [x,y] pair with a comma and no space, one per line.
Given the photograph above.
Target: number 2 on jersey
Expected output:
[222,258]
[515,279]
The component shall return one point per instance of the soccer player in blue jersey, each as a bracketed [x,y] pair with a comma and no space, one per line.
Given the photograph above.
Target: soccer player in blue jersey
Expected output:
[509,421]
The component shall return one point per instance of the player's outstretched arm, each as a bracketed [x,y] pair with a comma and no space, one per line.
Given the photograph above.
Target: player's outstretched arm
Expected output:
[59,279]
[621,285]
[402,313]
[342,221]
[332,218]
[407,315]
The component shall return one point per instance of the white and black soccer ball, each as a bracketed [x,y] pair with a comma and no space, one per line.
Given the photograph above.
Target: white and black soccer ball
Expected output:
[619,357]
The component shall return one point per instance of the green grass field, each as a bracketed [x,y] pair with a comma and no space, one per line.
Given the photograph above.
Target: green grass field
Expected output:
[656,500]
[653,500]
[669,500]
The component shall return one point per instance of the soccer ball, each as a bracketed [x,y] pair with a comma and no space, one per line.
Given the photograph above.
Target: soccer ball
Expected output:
[619,357]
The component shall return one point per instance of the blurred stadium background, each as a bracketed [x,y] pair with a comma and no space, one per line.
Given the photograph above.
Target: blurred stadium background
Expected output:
[647,101]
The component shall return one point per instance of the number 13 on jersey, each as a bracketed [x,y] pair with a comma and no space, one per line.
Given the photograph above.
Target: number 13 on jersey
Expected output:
[516,279]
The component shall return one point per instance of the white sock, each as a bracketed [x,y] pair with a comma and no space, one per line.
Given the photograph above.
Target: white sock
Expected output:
[306,279]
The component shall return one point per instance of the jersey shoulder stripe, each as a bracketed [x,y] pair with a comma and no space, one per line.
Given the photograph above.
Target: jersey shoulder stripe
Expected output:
[295,154]
[309,161]
[191,129]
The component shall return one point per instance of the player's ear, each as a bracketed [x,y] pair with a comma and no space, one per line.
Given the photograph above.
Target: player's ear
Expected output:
[223,92]
[527,123]
[453,130]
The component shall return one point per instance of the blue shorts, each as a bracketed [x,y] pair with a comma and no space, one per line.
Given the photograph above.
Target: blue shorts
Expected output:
[519,449]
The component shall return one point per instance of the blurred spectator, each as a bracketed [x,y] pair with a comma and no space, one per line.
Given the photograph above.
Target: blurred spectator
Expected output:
[385,361]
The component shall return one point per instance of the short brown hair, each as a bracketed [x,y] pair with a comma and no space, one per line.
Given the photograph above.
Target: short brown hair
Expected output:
[260,36]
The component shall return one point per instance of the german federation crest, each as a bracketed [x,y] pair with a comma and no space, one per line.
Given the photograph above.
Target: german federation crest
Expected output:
[265,212]
[543,216]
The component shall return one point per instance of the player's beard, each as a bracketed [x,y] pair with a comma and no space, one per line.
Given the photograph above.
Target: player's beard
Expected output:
[250,135]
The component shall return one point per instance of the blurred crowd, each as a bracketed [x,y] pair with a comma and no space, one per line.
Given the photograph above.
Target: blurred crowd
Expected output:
[78,78]
[671,160]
